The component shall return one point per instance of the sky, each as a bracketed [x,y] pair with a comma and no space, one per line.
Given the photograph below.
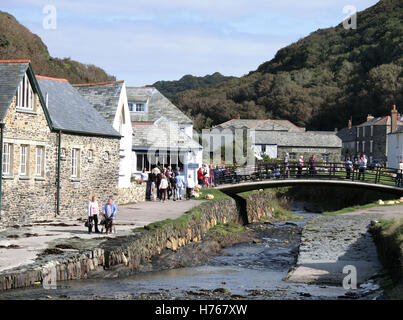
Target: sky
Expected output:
[144,41]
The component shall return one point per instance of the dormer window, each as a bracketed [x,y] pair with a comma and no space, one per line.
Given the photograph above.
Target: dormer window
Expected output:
[25,95]
[137,107]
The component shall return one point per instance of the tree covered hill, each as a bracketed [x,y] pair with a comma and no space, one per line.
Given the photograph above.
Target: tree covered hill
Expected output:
[17,42]
[188,82]
[318,82]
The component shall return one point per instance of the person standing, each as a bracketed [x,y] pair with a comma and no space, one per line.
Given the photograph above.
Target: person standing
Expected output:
[200,177]
[93,212]
[363,167]
[109,212]
[349,166]
[172,187]
[300,165]
[286,168]
[399,174]
[312,165]
[144,175]
[190,184]
[179,186]
[163,186]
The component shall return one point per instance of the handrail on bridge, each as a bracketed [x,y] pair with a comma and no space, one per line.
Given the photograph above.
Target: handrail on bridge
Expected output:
[326,170]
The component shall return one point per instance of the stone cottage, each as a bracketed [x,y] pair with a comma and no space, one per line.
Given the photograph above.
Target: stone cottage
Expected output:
[110,100]
[274,138]
[162,134]
[56,149]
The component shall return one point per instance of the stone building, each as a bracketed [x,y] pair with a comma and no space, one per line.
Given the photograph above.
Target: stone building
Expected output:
[40,180]
[274,138]
[347,136]
[371,137]
[162,134]
[110,100]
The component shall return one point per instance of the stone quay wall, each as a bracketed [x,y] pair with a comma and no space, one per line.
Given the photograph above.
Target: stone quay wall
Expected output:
[133,194]
[128,252]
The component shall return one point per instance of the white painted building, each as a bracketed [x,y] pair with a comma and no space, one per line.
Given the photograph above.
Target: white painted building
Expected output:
[395,147]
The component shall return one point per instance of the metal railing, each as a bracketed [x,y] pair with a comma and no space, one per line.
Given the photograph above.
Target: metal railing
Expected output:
[326,170]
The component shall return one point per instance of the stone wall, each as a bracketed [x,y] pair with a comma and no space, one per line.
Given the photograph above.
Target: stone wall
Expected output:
[259,205]
[29,197]
[128,252]
[97,176]
[135,193]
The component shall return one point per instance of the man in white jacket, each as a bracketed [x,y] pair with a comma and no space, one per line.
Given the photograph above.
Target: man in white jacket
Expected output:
[190,184]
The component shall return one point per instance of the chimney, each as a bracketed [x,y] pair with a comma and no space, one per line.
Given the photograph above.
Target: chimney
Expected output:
[350,124]
[393,116]
[370,117]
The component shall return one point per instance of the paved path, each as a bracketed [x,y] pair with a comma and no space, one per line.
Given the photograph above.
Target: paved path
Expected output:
[386,212]
[32,239]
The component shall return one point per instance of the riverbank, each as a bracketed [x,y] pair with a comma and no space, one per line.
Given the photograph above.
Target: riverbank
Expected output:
[125,254]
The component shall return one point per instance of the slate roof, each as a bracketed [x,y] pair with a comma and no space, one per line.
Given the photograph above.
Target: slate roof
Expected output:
[347,134]
[157,106]
[298,139]
[104,97]
[163,134]
[11,74]
[71,112]
[268,124]
[379,121]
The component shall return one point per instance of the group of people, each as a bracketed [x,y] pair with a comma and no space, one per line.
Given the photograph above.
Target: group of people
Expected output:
[164,183]
[212,176]
[359,164]
[108,213]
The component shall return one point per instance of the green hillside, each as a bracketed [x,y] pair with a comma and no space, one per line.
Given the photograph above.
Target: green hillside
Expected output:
[17,42]
[188,82]
[318,82]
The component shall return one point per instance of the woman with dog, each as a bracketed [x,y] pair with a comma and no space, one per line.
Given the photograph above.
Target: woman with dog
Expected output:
[109,212]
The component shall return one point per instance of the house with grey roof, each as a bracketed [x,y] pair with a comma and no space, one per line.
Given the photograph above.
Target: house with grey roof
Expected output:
[47,167]
[162,134]
[110,100]
[275,138]
[371,137]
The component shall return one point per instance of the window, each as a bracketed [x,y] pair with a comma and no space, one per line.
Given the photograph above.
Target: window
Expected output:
[40,162]
[371,144]
[263,148]
[358,132]
[25,95]
[363,131]
[358,146]
[7,147]
[24,160]
[363,146]
[90,154]
[75,163]
[372,131]
[325,157]
[137,106]
[106,156]
[293,156]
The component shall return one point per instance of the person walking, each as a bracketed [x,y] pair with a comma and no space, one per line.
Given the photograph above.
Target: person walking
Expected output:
[179,186]
[349,166]
[109,212]
[93,212]
[190,184]
[163,188]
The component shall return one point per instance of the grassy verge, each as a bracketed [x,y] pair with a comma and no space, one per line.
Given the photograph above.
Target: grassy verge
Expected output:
[218,195]
[178,223]
[358,207]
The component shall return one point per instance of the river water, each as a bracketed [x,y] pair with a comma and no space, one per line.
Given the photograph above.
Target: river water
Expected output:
[246,271]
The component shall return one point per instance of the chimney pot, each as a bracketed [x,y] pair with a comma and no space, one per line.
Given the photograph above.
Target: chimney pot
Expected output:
[393,118]
[350,125]
[370,117]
